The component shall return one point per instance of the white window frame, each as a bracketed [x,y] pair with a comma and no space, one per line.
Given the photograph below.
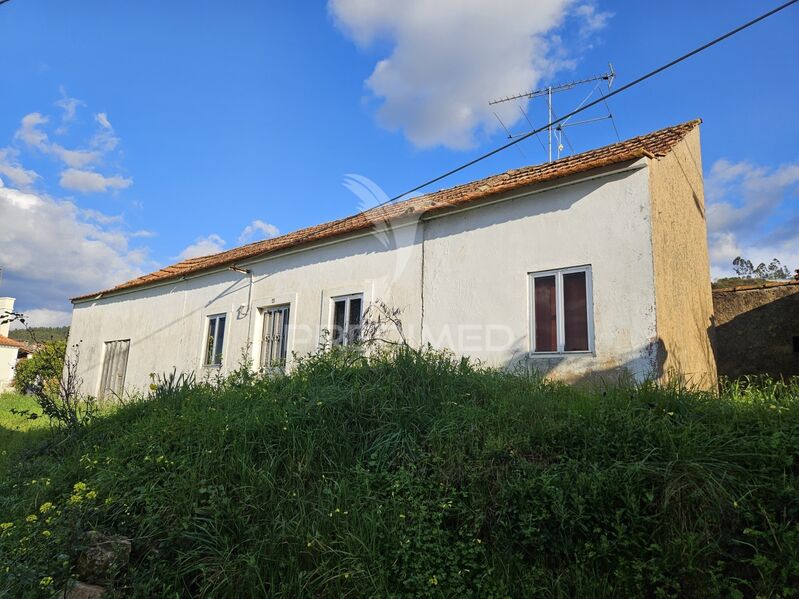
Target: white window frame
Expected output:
[348,297]
[559,309]
[204,357]
[286,339]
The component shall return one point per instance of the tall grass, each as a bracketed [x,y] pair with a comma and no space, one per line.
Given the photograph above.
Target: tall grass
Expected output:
[413,474]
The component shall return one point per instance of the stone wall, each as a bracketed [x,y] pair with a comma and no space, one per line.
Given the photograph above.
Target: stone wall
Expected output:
[757,330]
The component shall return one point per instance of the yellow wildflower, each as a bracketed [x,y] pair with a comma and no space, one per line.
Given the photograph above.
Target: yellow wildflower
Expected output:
[79,487]
[75,499]
[433,580]
[46,581]
[6,525]
[45,507]
[46,534]
[91,495]
[31,518]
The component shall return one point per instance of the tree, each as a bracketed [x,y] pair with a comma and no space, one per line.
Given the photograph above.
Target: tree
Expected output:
[774,270]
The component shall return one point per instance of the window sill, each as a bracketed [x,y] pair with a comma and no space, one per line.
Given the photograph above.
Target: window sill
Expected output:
[555,354]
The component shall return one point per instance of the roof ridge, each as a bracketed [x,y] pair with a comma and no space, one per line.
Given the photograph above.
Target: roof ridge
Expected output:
[655,143]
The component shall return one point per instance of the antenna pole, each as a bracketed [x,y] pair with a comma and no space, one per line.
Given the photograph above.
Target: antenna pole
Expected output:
[608,77]
[549,121]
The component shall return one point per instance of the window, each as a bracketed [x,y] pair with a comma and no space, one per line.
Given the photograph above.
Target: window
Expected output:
[215,341]
[561,318]
[115,364]
[347,313]
[274,337]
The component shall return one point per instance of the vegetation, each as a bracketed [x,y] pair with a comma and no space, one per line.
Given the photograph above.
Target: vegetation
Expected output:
[413,474]
[42,369]
[40,334]
[21,424]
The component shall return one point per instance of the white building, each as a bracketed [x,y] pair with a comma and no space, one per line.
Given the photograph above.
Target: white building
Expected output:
[594,265]
[11,350]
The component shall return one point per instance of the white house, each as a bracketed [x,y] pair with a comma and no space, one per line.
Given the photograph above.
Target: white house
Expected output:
[11,350]
[594,265]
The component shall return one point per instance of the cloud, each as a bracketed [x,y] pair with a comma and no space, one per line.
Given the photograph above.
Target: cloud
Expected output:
[745,214]
[593,20]
[104,139]
[32,135]
[203,246]
[43,317]
[449,57]
[13,170]
[267,230]
[70,107]
[51,252]
[91,182]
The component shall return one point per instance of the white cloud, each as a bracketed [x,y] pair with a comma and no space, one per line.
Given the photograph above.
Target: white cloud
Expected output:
[267,231]
[51,253]
[31,133]
[70,107]
[743,201]
[593,20]
[105,139]
[43,317]
[91,182]
[203,246]
[449,57]
[13,170]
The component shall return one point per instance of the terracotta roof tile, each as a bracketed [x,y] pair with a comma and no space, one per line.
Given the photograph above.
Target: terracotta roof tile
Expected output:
[766,285]
[653,144]
[9,342]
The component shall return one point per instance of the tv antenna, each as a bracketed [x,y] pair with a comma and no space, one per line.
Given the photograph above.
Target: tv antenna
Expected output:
[558,130]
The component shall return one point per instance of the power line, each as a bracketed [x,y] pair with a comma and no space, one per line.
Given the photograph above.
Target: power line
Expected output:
[602,99]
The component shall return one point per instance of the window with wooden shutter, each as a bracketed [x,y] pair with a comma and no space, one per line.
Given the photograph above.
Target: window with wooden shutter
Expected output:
[561,319]
[115,364]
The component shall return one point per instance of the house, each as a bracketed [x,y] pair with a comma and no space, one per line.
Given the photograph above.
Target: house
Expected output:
[592,266]
[757,329]
[11,350]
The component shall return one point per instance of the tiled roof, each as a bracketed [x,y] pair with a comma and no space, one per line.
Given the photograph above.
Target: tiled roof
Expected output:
[651,145]
[766,285]
[9,342]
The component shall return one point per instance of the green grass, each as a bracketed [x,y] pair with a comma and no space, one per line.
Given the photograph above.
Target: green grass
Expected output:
[18,431]
[415,475]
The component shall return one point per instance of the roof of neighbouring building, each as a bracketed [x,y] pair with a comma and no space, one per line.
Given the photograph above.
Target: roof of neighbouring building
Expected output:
[9,342]
[651,145]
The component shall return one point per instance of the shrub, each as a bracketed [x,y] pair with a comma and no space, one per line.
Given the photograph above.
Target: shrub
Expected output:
[42,369]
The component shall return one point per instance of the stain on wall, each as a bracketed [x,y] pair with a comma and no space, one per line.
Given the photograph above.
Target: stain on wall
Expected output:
[756,330]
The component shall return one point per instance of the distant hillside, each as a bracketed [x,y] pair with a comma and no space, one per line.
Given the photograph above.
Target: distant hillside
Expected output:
[40,334]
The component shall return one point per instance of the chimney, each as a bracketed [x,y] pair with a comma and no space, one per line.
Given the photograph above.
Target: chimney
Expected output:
[6,305]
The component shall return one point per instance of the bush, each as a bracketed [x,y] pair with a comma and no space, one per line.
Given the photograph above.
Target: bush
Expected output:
[410,474]
[42,369]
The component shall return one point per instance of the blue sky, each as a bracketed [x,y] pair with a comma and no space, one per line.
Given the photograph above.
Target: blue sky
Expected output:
[133,136]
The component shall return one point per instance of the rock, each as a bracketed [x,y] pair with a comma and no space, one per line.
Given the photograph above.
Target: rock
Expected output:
[103,558]
[81,590]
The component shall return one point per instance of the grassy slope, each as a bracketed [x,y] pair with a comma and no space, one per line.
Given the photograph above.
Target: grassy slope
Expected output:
[416,476]
[17,431]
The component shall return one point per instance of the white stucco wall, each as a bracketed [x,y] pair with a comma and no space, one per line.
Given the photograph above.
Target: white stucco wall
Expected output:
[472,296]
[8,360]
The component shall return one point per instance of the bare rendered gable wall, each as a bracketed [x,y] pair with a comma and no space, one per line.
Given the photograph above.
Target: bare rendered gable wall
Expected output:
[683,296]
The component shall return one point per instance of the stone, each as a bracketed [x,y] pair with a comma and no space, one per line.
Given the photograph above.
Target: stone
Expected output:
[103,557]
[81,590]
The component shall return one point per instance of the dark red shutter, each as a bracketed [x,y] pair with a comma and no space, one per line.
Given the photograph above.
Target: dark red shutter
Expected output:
[545,314]
[575,312]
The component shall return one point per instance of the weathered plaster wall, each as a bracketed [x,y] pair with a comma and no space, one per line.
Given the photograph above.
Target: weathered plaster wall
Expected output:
[755,330]
[477,264]
[167,324]
[681,263]
[8,360]
[471,296]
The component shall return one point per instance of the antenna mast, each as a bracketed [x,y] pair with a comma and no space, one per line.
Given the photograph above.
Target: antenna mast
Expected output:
[552,89]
